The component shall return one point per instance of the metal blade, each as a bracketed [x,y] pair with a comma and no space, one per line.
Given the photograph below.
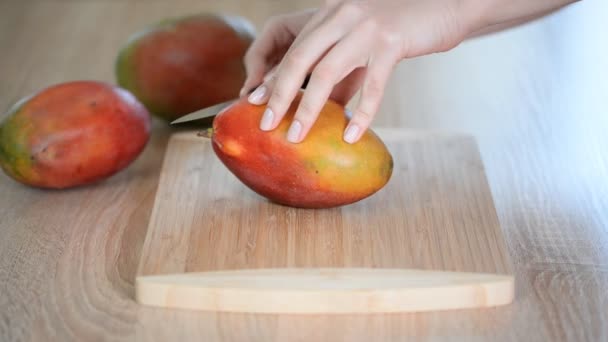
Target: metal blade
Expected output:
[204,113]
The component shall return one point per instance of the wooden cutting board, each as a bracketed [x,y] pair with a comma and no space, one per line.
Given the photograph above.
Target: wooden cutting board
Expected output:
[429,240]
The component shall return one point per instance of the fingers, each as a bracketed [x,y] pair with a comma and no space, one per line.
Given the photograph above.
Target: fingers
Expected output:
[270,74]
[260,95]
[340,61]
[298,61]
[255,74]
[258,53]
[315,20]
[378,72]
[344,91]
[343,53]
[274,40]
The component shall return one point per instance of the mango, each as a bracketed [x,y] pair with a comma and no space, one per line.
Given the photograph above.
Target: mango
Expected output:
[323,171]
[184,64]
[72,134]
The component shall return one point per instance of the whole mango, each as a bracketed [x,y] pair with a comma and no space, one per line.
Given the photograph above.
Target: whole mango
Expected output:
[184,64]
[72,134]
[323,171]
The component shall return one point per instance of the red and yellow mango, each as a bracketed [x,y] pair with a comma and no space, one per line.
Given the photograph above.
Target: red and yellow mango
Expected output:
[323,171]
[72,134]
[184,64]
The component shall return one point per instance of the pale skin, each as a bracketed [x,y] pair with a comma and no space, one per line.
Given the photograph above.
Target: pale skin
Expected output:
[351,45]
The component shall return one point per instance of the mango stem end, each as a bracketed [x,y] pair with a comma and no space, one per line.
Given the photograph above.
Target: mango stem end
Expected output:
[208,133]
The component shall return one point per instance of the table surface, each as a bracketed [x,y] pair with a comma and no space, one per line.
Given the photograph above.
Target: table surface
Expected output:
[535,97]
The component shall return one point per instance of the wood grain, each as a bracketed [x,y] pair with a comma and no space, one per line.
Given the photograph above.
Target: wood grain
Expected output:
[338,290]
[435,213]
[534,97]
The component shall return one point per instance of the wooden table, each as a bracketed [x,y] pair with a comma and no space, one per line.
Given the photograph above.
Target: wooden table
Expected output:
[536,98]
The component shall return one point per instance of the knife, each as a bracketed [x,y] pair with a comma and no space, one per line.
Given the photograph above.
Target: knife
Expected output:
[205,112]
[215,109]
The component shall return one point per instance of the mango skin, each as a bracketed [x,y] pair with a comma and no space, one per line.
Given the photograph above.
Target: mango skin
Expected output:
[184,64]
[72,134]
[323,171]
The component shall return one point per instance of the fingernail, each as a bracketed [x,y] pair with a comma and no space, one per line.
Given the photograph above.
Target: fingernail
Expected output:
[266,124]
[294,131]
[258,96]
[351,133]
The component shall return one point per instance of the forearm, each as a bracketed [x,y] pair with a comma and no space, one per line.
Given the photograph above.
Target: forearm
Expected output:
[496,15]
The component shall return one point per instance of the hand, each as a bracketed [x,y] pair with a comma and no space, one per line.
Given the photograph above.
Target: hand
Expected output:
[346,46]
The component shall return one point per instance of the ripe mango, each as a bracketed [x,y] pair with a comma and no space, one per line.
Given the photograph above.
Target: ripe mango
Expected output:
[184,64]
[323,171]
[72,134]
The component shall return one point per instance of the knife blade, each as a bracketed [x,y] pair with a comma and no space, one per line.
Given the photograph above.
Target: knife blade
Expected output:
[215,109]
[205,112]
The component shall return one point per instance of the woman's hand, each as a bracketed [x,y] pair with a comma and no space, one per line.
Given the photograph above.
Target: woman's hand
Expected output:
[354,44]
